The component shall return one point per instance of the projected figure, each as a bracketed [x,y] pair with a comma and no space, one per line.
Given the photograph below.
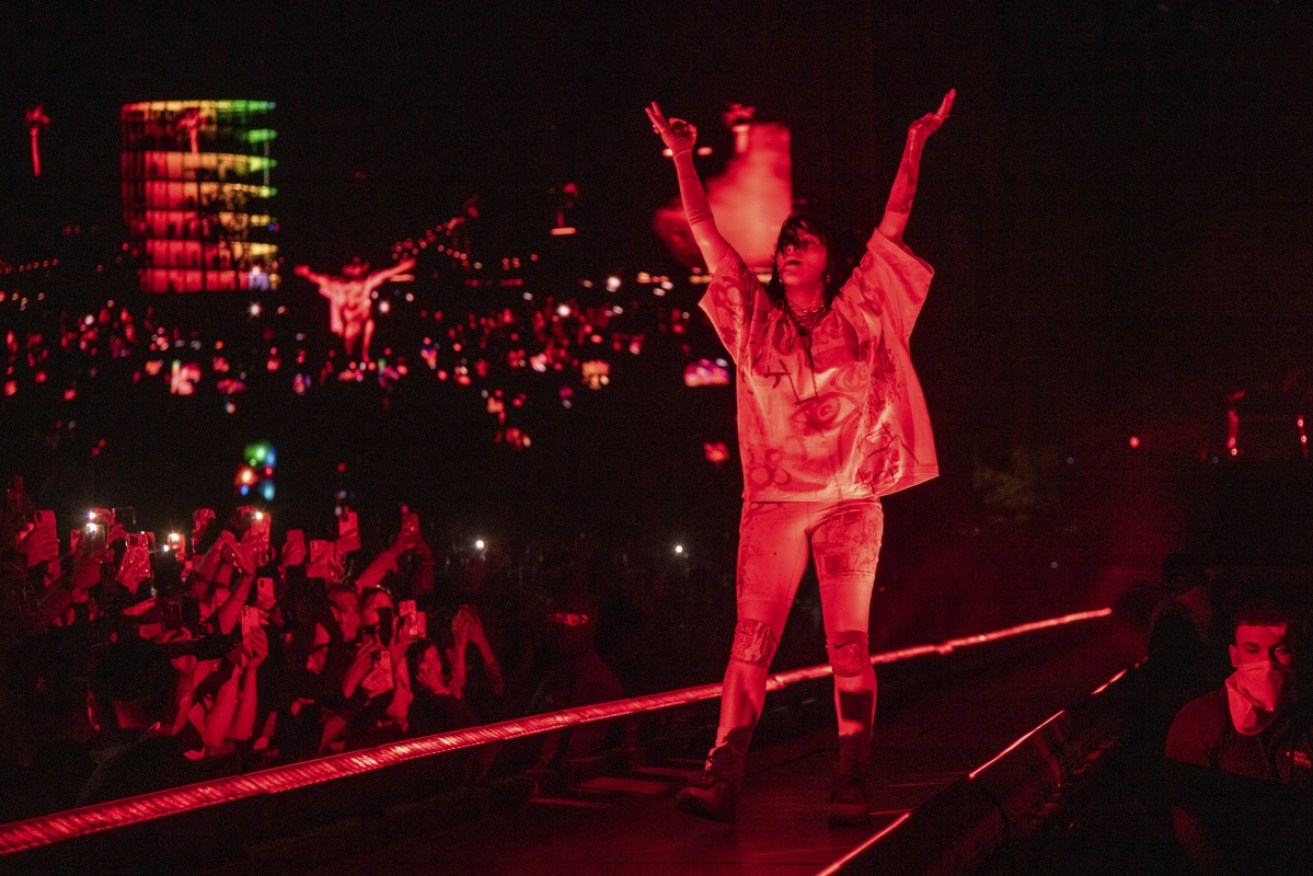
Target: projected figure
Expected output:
[190,124]
[36,120]
[349,300]
[750,198]
[830,418]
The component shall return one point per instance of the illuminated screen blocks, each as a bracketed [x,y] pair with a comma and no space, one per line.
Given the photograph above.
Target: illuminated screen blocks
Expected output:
[196,194]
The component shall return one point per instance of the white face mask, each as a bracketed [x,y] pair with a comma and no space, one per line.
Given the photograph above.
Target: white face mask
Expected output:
[1254,693]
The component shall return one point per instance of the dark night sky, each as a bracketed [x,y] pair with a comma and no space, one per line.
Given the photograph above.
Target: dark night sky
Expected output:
[1118,210]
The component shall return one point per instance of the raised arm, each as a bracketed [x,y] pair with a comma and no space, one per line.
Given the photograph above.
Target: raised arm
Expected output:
[313,276]
[385,562]
[679,137]
[376,278]
[239,584]
[903,192]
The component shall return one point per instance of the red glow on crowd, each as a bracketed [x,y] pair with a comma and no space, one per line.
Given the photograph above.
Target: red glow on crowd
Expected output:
[49,829]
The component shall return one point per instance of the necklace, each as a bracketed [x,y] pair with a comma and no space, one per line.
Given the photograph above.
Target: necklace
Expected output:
[806,318]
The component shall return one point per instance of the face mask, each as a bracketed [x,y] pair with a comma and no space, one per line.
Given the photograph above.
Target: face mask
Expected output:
[1254,692]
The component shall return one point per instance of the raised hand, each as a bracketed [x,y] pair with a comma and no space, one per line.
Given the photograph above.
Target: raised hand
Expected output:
[930,122]
[256,649]
[903,190]
[86,568]
[184,664]
[361,665]
[240,554]
[678,135]
[401,637]
[461,624]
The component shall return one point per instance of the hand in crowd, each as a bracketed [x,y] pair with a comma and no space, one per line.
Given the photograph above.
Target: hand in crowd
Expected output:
[254,648]
[135,567]
[240,555]
[86,568]
[362,664]
[294,550]
[217,698]
[116,532]
[429,673]
[38,544]
[184,664]
[402,638]
[467,629]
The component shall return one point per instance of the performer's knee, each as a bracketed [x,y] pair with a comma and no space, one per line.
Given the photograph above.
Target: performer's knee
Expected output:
[849,653]
[754,642]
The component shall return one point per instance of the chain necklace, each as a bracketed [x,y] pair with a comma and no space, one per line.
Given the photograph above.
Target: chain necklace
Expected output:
[806,318]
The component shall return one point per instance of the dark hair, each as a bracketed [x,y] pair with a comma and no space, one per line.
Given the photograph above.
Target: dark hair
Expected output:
[839,255]
[136,672]
[1263,609]
[1183,571]
[415,653]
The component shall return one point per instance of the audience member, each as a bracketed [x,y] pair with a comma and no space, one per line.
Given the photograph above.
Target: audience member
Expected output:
[577,677]
[224,652]
[1240,758]
[132,691]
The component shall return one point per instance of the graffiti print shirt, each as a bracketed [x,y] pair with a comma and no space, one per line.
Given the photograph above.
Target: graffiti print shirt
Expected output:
[839,413]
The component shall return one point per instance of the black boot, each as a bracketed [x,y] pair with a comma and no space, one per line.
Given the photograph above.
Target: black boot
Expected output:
[714,793]
[849,801]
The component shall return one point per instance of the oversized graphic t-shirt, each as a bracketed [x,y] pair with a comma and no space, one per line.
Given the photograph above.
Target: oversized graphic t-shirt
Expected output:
[838,412]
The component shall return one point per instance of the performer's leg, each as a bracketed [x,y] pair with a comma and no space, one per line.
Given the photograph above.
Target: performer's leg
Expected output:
[846,544]
[771,559]
[772,556]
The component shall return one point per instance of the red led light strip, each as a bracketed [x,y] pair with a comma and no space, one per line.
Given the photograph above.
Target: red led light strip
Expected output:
[57,827]
[1109,683]
[837,866]
[1022,740]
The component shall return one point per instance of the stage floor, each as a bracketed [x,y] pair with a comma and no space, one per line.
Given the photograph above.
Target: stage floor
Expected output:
[925,741]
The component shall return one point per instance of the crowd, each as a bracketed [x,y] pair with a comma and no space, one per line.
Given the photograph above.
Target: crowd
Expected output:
[510,346]
[129,665]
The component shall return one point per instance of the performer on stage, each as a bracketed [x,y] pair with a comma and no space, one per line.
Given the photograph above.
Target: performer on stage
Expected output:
[830,418]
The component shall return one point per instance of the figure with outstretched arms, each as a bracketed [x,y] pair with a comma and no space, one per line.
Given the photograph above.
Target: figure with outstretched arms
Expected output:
[831,418]
[349,300]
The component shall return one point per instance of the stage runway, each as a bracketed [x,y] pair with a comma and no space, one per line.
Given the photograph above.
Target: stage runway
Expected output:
[926,740]
[974,738]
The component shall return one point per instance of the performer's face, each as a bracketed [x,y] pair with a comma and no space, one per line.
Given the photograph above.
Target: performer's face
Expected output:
[801,261]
